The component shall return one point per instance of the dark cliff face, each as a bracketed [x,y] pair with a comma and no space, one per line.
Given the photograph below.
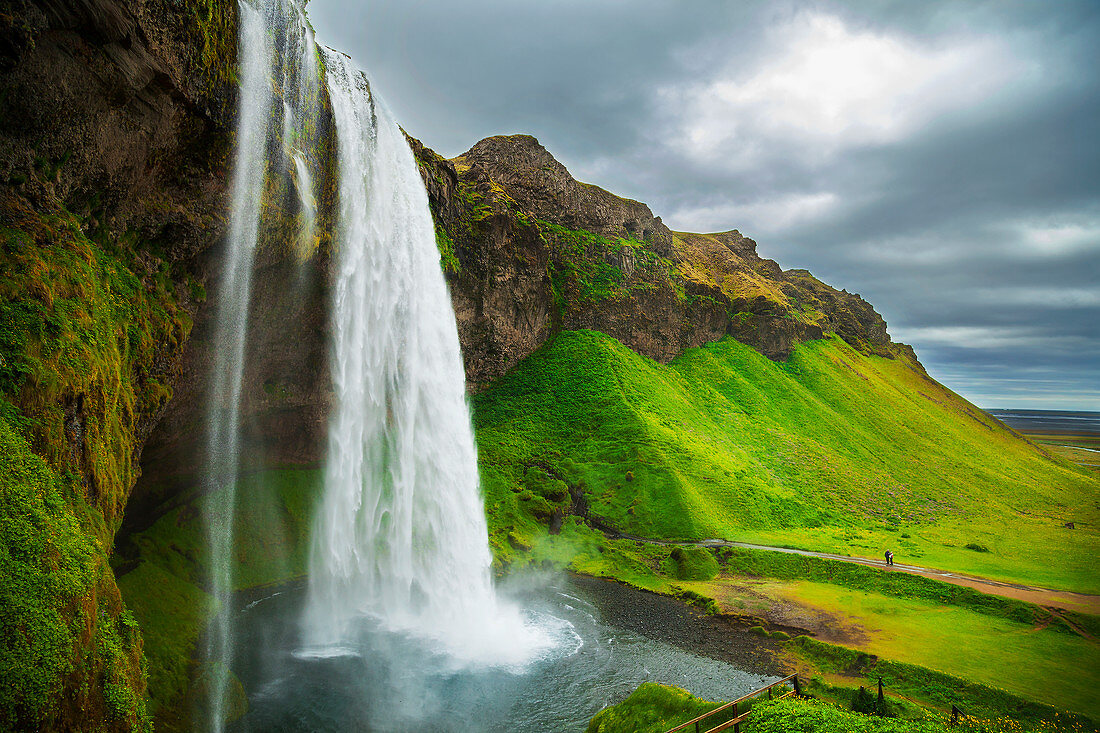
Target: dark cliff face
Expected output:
[114,130]
[531,251]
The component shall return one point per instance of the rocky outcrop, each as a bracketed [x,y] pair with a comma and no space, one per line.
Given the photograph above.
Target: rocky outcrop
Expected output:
[534,251]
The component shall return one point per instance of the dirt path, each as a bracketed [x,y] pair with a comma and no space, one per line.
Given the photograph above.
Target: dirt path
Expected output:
[1039,596]
[1064,599]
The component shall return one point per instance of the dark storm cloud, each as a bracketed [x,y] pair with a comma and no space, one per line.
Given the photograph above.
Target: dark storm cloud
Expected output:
[940,159]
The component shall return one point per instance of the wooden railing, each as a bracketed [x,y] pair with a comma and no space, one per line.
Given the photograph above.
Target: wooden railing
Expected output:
[736,718]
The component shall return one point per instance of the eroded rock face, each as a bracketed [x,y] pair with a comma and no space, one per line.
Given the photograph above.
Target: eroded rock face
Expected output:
[536,251]
[544,189]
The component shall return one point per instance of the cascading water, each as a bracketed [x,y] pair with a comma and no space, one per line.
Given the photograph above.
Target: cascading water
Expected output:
[400,535]
[234,290]
[295,65]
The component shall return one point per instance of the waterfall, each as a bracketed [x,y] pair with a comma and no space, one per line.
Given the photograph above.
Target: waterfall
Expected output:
[295,66]
[400,536]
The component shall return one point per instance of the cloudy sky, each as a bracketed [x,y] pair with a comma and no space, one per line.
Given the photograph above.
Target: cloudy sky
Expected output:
[941,159]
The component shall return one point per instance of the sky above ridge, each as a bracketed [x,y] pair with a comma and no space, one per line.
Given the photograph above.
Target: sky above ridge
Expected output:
[942,159]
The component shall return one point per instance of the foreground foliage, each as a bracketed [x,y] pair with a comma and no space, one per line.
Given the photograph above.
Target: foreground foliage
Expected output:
[655,708]
[80,337]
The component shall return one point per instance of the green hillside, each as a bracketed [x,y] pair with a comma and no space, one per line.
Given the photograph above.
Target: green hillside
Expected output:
[832,450]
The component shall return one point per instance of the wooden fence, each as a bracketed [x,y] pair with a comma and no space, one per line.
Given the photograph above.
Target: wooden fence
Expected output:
[736,718]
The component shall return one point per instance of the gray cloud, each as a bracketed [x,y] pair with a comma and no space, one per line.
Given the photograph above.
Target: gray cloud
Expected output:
[940,159]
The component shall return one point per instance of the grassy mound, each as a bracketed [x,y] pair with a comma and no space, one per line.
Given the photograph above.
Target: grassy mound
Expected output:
[651,708]
[832,450]
[166,568]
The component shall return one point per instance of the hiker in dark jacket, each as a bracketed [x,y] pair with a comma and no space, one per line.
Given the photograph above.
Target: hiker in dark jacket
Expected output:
[889,558]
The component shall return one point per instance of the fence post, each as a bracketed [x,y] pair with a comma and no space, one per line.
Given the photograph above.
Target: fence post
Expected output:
[736,726]
[696,726]
[797,687]
[880,695]
[955,713]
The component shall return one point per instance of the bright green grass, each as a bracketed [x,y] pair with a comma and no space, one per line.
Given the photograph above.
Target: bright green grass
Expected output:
[1059,669]
[652,708]
[808,716]
[833,450]
[271,532]
[934,688]
[786,566]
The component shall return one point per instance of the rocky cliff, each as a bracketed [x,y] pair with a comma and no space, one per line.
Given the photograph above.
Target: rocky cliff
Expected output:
[530,251]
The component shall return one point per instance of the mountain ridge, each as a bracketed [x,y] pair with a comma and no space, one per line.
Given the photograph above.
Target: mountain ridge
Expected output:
[532,251]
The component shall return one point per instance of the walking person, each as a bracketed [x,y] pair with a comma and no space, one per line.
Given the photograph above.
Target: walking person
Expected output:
[889,558]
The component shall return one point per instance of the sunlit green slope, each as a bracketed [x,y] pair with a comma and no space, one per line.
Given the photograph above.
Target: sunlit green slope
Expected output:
[833,450]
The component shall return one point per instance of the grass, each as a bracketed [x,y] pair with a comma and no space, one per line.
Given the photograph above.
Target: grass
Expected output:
[654,708]
[172,613]
[1060,669]
[789,567]
[934,688]
[833,450]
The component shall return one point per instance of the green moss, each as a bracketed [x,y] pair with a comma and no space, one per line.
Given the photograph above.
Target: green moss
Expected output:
[213,26]
[55,593]
[48,564]
[579,267]
[447,257]
[80,334]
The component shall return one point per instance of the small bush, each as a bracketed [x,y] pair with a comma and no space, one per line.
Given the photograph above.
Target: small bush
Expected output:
[691,563]
[976,547]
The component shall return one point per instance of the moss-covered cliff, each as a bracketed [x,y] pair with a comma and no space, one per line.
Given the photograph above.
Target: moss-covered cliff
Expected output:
[113,136]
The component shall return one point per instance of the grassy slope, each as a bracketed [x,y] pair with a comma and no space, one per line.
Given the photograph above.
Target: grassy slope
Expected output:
[833,450]
[1000,652]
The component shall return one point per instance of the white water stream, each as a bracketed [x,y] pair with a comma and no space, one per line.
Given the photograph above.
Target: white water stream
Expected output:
[400,536]
[400,540]
[230,333]
[268,25]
